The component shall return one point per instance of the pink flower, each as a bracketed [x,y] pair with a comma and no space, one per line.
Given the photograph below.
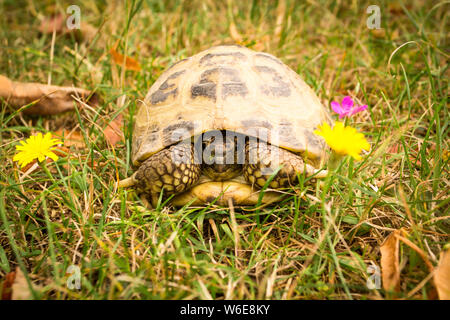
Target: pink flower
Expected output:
[346,109]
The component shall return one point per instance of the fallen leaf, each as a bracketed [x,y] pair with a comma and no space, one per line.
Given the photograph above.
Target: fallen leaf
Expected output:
[442,276]
[390,271]
[20,290]
[113,132]
[70,138]
[86,32]
[7,284]
[49,24]
[45,99]
[118,58]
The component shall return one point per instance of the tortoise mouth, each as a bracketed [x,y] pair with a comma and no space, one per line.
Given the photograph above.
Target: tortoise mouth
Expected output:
[221,192]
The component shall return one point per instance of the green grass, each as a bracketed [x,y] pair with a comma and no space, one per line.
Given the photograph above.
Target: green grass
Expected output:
[318,243]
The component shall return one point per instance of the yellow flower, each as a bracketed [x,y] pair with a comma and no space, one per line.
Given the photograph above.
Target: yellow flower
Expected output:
[36,147]
[343,140]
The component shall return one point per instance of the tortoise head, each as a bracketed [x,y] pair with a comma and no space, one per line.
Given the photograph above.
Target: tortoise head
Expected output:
[220,155]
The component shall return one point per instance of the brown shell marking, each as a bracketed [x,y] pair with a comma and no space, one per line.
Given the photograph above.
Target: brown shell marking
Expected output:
[163,91]
[229,79]
[275,85]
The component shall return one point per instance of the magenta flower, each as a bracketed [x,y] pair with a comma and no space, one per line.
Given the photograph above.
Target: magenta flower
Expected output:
[346,109]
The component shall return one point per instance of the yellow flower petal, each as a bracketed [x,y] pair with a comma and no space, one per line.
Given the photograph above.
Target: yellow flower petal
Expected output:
[343,140]
[36,147]
[53,156]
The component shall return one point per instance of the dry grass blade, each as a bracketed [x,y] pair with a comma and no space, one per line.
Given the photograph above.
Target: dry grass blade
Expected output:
[204,291]
[422,254]
[281,10]
[272,278]
[235,230]
[163,247]
[234,33]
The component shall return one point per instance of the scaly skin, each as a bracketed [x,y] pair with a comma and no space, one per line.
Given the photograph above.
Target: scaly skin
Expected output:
[263,159]
[165,170]
[174,171]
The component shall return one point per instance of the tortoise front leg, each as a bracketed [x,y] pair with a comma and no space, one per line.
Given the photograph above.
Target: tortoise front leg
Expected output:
[263,159]
[171,170]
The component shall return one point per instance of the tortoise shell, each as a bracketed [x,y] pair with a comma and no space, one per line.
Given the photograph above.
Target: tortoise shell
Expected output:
[230,88]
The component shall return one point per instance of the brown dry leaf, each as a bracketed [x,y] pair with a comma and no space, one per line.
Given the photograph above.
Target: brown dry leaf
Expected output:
[442,276]
[113,132]
[20,289]
[7,284]
[70,138]
[390,270]
[46,99]
[234,33]
[86,32]
[49,24]
[118,58]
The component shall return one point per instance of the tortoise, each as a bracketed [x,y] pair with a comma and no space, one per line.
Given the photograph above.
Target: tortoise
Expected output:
[220,125]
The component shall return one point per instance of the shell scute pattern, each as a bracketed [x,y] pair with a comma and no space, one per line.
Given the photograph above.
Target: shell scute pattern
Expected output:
[229,88]
[206,87]
[228,78]
[274,85]
[163,93]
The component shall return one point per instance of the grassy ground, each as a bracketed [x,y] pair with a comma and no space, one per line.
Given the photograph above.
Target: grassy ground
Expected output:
[318,243]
